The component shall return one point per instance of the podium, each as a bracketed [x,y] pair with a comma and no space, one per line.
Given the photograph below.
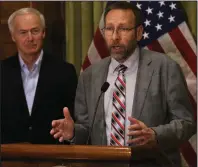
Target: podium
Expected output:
[35,155]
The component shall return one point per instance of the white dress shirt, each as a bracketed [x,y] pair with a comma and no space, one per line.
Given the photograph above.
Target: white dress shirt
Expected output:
[30,79]
[131,73]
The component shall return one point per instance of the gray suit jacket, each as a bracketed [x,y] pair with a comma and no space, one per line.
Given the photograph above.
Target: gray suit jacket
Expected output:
[160,101]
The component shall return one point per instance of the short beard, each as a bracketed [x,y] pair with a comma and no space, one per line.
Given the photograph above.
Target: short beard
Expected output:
[122,57]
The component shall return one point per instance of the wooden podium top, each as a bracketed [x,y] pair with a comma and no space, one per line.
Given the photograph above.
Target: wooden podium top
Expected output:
[37,155]
[65,152]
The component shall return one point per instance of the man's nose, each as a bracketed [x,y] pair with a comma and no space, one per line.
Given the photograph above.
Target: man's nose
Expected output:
[30,38]
[115,35]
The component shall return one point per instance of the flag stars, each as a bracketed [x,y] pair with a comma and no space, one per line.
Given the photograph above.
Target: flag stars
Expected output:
[147,22]
[139,5]
[173,6]
[161,3]
[149,10]
[171,18]
[160,14]
[145,35]
[158,27]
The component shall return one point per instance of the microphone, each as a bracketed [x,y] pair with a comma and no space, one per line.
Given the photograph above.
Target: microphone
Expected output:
[104,88]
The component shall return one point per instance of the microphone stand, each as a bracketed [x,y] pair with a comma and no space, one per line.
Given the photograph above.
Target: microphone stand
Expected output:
[104,88]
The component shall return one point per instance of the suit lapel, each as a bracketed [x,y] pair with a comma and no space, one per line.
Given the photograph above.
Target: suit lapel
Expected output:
[44,70]
[17,78]
[100,76]
[144,75]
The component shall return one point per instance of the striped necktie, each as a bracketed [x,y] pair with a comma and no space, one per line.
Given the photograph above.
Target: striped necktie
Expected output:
[119,109]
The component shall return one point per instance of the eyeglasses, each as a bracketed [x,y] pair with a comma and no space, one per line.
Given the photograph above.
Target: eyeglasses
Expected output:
[123,31]
[34,31]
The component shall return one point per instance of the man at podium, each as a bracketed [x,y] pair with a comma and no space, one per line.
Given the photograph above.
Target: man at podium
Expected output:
[134,97]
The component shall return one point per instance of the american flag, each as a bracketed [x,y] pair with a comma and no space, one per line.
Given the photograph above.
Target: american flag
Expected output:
[166,31]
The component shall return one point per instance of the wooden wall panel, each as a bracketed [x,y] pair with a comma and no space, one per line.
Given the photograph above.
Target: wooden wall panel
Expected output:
[9,49]
[5,36]
[7,8]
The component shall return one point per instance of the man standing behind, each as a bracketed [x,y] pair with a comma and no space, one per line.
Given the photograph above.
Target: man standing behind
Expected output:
[147,102]
[35,85]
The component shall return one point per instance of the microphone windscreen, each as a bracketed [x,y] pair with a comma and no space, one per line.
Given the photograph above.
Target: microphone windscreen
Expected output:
[104,87]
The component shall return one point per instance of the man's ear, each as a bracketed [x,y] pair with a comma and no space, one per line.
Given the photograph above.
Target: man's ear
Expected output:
[139,32]
[12,36]
[13,39]
[43,33]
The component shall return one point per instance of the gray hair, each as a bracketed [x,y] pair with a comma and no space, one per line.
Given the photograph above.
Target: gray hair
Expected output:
[24,11]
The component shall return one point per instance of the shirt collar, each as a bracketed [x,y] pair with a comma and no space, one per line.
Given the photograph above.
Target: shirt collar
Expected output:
[129,63]
[35,65]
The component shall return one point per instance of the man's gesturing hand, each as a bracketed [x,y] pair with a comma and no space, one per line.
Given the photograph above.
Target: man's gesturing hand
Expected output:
[140,133]
[63,128]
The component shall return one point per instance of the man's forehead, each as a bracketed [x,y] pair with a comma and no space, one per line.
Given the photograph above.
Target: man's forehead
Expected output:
[120,11]
[121,16]
[27,16]
[27,20]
